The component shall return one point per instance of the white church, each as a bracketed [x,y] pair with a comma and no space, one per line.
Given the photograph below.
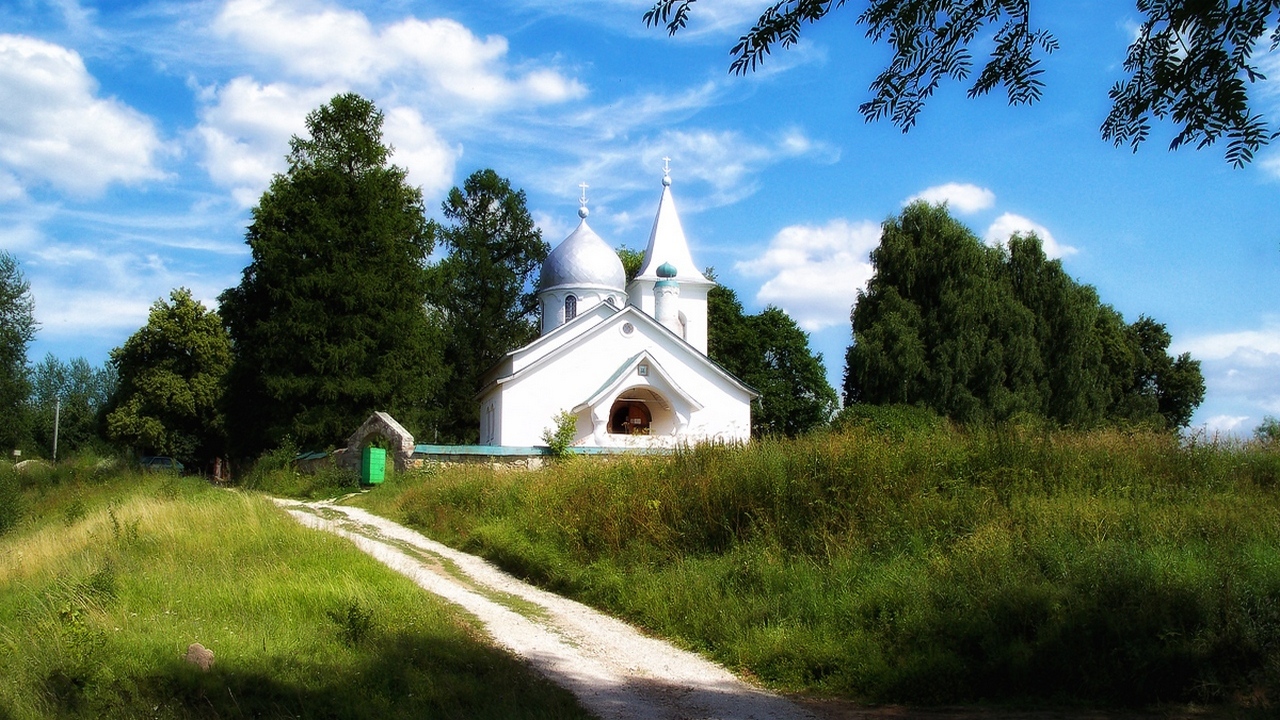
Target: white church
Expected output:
[627,360]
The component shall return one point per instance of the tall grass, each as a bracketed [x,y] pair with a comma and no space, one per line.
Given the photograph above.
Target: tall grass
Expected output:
[99,603]
[929,565]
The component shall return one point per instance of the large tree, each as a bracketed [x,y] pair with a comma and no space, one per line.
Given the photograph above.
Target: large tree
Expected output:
[769,352]
[17,329]
[71,395]
[1191,62]
[328,321]
[169,382]
[483,289]
[982,334]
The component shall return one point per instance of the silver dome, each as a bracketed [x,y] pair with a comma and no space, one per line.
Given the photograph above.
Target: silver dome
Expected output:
[583,260]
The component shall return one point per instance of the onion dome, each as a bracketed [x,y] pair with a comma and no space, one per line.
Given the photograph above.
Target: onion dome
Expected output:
[583,260]
[666,271]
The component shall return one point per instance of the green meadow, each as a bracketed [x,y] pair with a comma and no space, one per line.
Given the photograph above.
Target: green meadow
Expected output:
[107,576]
[913,562]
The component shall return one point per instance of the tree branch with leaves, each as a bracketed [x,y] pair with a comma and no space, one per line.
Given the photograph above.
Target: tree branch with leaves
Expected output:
[1192,63]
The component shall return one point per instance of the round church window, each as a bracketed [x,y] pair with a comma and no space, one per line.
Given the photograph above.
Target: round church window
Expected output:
[627,329]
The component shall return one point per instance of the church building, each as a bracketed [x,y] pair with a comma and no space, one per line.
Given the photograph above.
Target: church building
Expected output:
[627,360]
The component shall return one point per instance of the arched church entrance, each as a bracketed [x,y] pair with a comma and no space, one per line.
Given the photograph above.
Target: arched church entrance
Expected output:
[641,411]
[630,417]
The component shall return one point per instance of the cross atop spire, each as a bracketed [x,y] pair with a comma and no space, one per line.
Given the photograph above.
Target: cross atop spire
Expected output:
[666,171]
[582,206]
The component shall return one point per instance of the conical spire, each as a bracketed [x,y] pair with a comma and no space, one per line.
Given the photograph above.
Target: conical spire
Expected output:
[667,243]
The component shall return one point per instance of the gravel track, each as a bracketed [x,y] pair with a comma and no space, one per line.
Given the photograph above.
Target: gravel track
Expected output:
[615,671]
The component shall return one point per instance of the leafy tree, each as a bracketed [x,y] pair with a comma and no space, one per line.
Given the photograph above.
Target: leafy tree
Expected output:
[17,329]
[483,288]
[937,327]
[1192,61]
[984,334]
[1268,430]
[328,321]
[170,382]
[84,392]
[769,352]
[632,260]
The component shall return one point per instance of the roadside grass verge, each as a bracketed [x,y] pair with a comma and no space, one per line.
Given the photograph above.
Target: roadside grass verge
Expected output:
[929,566]
[98,606]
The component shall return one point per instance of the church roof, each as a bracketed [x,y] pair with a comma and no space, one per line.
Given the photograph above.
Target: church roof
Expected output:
[582,260]
[545,348]
[667,244]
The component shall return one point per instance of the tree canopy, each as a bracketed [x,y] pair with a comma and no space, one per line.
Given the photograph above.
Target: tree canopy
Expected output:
[17,329]
[170,374]
[84,392]
[483,289]
[770,353]
[1191,62]
[983,334]
[328,321]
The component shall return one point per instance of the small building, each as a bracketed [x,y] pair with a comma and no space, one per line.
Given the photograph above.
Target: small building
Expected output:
[628,361]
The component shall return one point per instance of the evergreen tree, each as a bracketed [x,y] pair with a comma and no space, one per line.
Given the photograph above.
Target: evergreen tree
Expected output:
[170,374]
[17,329]
[770,353]
[483,289]
[329,321]
[983,334]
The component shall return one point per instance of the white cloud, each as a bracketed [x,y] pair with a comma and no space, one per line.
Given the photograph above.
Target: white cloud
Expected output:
[1009,224]
[962,197]
[1225,424]
[815,272]
[246,127]
[10,188]
[711,168]
[83,291]
[1241,369]
[246,130]
[54,129]
[419,149]
[311,41]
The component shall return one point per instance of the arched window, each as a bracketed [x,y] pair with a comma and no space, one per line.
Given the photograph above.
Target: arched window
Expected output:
[629,417]
[570,308]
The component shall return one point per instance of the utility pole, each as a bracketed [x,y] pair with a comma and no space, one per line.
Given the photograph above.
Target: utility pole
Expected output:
[57,416]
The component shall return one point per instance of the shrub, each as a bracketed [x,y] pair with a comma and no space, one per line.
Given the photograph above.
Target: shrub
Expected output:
[893,420]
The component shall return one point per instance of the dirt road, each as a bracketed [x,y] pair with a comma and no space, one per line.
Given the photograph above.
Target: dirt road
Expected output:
[614,670]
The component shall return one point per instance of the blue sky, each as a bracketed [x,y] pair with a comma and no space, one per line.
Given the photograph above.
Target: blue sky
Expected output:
[136,136]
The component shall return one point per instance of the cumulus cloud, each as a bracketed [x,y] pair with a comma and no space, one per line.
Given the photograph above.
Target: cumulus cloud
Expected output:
[961,197]
[245,128]
[1241,368]
[1010,224]
[311,41]
[814,272]
[420,150]
[55,129]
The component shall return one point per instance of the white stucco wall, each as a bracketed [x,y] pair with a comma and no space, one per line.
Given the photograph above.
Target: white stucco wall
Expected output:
[562,374]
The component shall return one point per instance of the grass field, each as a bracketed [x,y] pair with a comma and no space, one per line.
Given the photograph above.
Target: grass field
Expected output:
[106,578]
[930,565]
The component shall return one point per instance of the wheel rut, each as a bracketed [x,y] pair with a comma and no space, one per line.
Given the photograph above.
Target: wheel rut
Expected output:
[614,670]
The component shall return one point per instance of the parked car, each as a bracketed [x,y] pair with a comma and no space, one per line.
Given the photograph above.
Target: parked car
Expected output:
[160,463]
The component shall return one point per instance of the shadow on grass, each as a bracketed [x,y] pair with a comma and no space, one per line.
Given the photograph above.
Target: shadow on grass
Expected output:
[401,677]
